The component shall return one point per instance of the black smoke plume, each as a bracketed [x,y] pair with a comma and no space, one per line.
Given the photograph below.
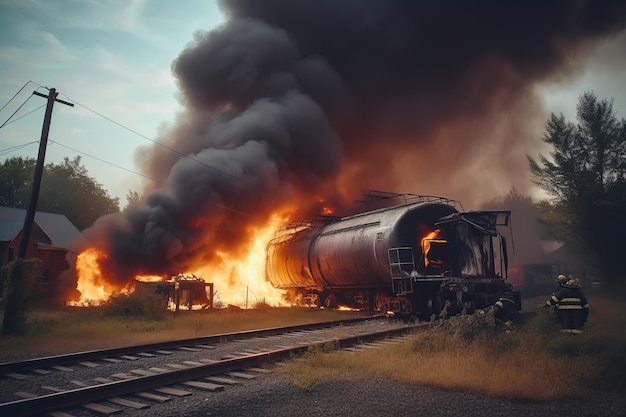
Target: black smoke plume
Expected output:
[306,104]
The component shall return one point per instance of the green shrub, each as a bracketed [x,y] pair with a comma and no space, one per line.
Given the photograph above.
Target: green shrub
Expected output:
[4,277]
[143,302]
[468,328]
[20,293]
[261,305]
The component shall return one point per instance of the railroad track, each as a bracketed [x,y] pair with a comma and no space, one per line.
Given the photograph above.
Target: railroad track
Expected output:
[72,358]
[136,377]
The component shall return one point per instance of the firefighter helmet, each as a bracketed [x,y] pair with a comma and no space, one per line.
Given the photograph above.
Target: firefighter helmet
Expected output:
[561,279]
[572,283]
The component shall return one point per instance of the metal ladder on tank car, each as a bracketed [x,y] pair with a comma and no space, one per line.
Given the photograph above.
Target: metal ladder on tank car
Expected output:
[402,269]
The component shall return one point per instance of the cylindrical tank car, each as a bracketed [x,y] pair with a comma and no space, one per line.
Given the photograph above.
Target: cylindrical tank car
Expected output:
[419,259]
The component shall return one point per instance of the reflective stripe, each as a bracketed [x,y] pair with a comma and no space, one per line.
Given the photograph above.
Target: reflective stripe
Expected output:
[571,300]
[553,298]
[499,304]
[569,307]
[574,331]
[586,305]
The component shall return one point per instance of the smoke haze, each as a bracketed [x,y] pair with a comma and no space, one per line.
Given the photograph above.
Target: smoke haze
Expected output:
[293,106]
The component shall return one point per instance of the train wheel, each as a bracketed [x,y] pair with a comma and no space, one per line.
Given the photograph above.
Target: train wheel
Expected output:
[330,301]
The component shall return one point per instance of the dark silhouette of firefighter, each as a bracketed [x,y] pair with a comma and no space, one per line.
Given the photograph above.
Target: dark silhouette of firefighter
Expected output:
[560,283]
[572,307]
[506,310]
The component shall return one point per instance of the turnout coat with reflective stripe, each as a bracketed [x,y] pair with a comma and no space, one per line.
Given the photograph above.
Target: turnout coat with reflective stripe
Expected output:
[572,307]
[505,308]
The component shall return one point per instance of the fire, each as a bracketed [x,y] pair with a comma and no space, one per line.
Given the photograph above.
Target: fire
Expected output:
[326,209]
[346,308]
[94,289]
[433,236]
[149,278]
[429,237]
[246,274]
[238,280]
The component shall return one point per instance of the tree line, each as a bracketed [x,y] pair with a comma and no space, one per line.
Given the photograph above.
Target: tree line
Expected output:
[66,188]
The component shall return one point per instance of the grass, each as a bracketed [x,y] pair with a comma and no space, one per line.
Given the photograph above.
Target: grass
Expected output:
[465,353]
[65,330]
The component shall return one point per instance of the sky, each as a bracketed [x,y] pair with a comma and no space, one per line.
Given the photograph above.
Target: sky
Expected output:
[113,60]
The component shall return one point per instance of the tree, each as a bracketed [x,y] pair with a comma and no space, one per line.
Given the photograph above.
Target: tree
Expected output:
[66,188]
[17,176]
[19,293]
[585,177]
[133,199]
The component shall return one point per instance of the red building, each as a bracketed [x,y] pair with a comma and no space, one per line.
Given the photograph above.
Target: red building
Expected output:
[49,238]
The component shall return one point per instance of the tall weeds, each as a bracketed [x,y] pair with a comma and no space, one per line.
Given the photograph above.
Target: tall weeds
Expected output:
[467,353]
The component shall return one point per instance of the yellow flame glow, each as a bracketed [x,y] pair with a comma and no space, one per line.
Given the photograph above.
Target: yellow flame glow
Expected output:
[237,281]
[94,289]
[246,275]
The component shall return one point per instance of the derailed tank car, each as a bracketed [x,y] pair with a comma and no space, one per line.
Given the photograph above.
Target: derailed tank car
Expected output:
[419,259]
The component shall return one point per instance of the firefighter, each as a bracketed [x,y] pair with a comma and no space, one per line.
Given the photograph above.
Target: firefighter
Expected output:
[506,310]
[572,307]
[560,280]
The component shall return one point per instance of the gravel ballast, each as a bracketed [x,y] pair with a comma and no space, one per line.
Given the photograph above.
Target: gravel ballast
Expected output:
[276,395]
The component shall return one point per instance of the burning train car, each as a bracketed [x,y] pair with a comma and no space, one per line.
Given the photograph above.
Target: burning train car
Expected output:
[186,290]
[416,259]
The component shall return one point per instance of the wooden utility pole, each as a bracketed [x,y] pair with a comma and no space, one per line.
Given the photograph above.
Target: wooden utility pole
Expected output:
[34,196]
[15,309]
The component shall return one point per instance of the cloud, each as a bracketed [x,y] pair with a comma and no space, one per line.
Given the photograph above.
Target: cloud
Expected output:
[602,72]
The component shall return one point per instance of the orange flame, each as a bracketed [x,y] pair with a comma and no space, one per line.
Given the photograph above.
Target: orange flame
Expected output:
[238,279]
[434,236]
[94,289]
[149,278]
[430,236]
[245,275]
[326,209]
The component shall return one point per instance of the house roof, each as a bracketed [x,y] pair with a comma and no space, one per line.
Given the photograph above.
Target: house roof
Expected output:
[56,226]
[9,229]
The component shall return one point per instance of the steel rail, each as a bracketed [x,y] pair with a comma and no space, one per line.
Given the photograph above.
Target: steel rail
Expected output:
[76,397]
[64,359]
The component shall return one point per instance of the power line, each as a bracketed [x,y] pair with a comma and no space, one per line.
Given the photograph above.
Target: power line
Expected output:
[15,148]
[102,160]
[9,121]
[24,115]
[18,109]
[154,141]
[15,95]
[145,176]
[161,144]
